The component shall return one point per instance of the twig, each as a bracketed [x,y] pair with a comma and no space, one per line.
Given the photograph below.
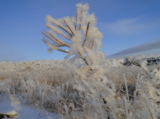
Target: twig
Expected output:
[53,38]
[69,27]
[86,34]
[76,18]
[83,58]
[51,46]
[125,80]
[60,26]
[58,32]
[92,45]
[81,20]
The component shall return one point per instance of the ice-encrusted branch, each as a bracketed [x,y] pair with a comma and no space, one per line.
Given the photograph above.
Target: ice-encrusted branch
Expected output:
[86,34]
[79,30]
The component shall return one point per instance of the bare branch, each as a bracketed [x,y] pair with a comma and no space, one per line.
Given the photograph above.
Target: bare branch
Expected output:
[80,27]
[92,45]
[76,18]
[86,34]
[58,41]
[58,32]
[69,27]
[49,36]
[83,58]
[63,50]
[52,38]
[54,47]
[57,24]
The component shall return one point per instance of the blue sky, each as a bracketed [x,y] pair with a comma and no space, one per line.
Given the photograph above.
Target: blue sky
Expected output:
[125,24]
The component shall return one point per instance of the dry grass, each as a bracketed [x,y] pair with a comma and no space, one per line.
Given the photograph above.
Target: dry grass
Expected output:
[53,90]
[53,77]
[131,74]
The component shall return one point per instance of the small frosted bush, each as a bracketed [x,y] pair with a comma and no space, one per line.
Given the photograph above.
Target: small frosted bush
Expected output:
[83,39]
[85,64]
[84,58]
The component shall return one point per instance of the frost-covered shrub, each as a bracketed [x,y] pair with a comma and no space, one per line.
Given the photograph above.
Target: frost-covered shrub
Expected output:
[85,64]
[84,58]
[82,35]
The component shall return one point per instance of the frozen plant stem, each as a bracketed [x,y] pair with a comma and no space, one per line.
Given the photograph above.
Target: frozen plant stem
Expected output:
[148,107]
[86,34]
[84,43]
[78,30]
[126,86]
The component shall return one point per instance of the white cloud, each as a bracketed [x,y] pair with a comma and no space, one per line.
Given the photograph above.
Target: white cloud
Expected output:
[140,48]
[125,26]
[130,26]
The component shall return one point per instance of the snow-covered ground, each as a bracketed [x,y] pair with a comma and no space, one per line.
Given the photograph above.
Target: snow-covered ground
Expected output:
[38,64]
[11,104]
[46,84]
